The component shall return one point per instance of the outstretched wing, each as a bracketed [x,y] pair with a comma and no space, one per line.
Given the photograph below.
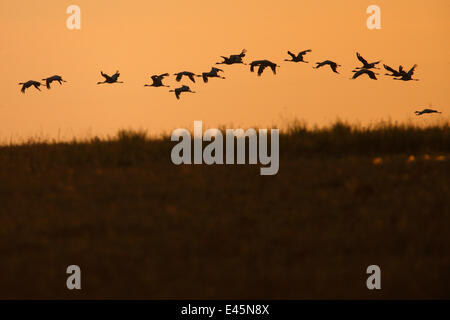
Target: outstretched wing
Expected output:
[191,76]
[371,75]
[104,75]
[301,53]
[356,74]
[411,71]
[292,55]
[360,58]
[274,68]
[261,69]
[389,68]
[334,67]
[115,76]
[163,75]
[320,64]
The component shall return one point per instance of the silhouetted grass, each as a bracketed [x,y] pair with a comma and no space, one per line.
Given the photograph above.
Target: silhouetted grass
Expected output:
[384,138]
[130,147]
[345,197]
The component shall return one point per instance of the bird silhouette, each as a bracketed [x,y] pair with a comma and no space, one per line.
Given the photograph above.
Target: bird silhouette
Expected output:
[393,72]
[29,83]
[298,57]
[333,65]
[263,64]
[370,73]
[188,74]
[424,111]
[366,65]
[181,89]
[49,80]
[214,73]
[110,79]
[407,76]
[233,59]
[157,80]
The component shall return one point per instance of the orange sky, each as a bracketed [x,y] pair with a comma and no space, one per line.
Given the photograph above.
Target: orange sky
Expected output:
[141,38]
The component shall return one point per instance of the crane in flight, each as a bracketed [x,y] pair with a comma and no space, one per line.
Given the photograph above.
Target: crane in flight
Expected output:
[393,72]
[233,59]
[181,89]
[333,65]
[157,80]
[407,76]
[49,80]
[214,73]
[366,65]
[424,111]
[370,73]
[188,74]
[29,83]
[298,57]
[110,79]
[263,64]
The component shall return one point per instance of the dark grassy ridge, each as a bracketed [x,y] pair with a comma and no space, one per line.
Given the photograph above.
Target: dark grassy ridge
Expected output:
[141,227]
[135,147]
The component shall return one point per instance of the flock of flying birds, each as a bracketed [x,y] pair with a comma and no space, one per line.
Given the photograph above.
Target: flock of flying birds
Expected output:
[366,68]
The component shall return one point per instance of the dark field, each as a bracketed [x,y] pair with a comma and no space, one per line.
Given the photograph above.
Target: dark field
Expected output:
[141,227]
